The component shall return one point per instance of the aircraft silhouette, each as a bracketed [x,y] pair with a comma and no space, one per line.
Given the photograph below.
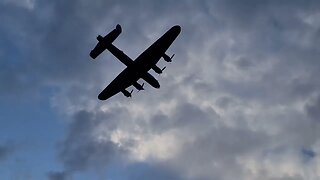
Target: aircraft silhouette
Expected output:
[139,67]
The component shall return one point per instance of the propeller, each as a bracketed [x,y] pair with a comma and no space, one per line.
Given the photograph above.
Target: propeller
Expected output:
[126,93]
[172,56]
[162,70]
[141,87]
[131,93]
[167,58]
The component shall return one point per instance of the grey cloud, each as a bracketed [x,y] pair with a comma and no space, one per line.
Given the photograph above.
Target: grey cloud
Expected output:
[5,151]
[215,147]
[254,61]
[313,109]
[217,151]
[45,44]
[156,171]
[81,151]
[186,115]
[220,150]
[56,39]
[251,14]
[58,176]
[18,38]
[308,154]
[266,55]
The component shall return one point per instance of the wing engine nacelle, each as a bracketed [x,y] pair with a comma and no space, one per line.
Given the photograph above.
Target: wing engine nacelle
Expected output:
[158,70]
[127,93]
[151,80]
[167,58]
[138,86]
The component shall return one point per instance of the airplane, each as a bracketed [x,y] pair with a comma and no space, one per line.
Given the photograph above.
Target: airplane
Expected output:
[137,68]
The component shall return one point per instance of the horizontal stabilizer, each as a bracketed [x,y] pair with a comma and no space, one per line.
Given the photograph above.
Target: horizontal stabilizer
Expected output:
[105,41]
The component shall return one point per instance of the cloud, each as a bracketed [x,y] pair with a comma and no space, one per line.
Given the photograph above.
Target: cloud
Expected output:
[5,151]
[81,150]
[28,4]
[147,171]
[240,98]
[313,109]
[58,176]
[231,103]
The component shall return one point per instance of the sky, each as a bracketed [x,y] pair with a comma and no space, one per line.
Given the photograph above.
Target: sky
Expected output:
[241,99]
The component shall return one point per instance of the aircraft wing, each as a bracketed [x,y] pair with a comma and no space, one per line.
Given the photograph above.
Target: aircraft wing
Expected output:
[125,79]
[149,58]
